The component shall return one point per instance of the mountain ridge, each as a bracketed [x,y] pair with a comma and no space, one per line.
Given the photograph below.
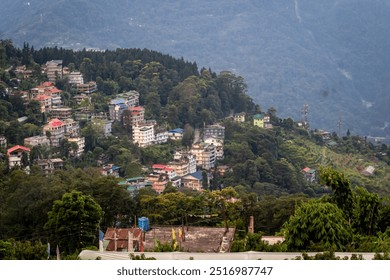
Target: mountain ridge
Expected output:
[331,56]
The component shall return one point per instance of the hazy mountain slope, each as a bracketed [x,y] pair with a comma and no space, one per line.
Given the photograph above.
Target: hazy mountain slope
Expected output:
[332,55]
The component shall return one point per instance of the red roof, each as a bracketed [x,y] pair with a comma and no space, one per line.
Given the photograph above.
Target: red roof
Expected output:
[47,84]
[17,147]
[121,235]
[306,169]
[56,122]
[53,90]
[162,167]
[136,108]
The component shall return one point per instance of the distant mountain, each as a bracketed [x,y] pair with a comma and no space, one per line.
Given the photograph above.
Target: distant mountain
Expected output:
[332,55]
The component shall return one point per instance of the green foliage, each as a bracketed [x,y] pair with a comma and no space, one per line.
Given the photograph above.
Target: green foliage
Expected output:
[317,226]
[341,187]
[365,212]
[22,250]
[76,217]
[140,257]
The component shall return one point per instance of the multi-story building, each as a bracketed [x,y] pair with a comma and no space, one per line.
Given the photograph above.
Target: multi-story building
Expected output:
[137,115]
[193,181]
[205,155]
[75,78]
[89,87]
[53,70]
[48,166]
[45,102]
[261,120]
[159,181]
[218,146]
[121,103]
[187,156]
[79,98]
[161,136]
[104,125]
[15,155]
[61,113]
[40,140]
[56,130]
[80,141]
[176,134]
[181,167]
[215,130]
[164,169]
[143,135]
[48,89]
[239,117]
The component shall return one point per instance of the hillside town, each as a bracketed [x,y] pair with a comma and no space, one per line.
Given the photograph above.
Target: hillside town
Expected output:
[191,168]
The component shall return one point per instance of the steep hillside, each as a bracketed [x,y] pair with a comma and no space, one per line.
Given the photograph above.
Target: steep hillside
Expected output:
[332,55]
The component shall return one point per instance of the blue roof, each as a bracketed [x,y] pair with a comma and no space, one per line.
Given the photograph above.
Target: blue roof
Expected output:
[176,130]
[117,101]
[197,174]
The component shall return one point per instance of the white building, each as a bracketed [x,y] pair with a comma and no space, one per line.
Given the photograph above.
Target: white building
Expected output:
[205,155]
[80,141]
[143,135]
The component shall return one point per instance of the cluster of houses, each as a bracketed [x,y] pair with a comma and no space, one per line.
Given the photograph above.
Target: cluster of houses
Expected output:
[63,123]
[186,168]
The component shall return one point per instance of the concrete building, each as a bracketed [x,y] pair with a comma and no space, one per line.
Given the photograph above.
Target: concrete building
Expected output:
[39,140]
[80,141]
[53,70]
[15,155]
[143,135]
[215,130]
[205,155]
[75,78]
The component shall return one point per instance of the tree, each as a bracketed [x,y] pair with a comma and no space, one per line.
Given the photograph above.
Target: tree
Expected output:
[74,221]
[341,187]
[317,226]
[366,212]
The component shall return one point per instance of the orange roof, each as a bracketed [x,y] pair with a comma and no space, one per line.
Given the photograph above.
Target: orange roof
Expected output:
[137,108]
[53,90]
[17,147]
[47,84]
[42,97]
[56,122]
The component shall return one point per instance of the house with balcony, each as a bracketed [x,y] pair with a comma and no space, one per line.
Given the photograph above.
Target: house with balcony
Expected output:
[53,70]
[175,134]
[56,131]
[186,156]
[217,131]
[218,146]
[80,141]
[48,166]
[87,88]
[15,155]
[75,78]
[164,169]
[159,181]
[39,140]
[61,113]
[161,136]
[205,155]
[137,115]
[143,135]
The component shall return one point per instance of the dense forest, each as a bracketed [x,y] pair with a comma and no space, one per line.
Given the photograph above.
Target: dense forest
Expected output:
[265,164]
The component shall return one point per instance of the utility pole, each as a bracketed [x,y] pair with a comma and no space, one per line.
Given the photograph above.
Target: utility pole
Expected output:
[339,125]
[305,116]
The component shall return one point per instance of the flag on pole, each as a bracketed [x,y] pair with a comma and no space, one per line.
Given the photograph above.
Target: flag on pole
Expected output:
[174,241]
